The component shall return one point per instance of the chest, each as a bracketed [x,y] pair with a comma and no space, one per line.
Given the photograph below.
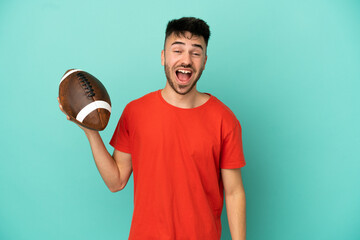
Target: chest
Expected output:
[177,136]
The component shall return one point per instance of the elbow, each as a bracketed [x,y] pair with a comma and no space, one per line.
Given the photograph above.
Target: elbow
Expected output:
[117,188]
[237,194]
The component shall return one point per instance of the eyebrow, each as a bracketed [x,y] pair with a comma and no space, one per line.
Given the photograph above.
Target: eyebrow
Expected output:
[194,45]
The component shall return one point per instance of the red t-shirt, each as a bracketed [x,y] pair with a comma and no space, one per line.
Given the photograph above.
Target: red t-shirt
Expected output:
[177,154]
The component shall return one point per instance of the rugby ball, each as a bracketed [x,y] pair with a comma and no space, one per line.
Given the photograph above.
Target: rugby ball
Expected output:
[84,99]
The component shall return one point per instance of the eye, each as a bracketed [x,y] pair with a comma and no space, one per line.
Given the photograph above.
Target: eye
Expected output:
[177,51]
[196,54]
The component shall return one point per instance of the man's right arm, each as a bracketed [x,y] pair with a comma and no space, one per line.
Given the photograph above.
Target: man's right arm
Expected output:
[115,170]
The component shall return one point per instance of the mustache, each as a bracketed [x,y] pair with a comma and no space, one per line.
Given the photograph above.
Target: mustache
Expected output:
[186,66]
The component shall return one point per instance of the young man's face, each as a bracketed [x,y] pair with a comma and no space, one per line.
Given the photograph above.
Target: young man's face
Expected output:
[184,58]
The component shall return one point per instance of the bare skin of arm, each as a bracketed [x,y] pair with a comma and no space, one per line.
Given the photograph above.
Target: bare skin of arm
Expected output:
[235,202]
[114,169]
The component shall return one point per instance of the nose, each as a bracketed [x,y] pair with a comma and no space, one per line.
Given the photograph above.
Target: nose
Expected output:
[186,59]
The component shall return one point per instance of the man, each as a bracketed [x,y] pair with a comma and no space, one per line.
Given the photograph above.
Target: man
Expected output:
[183,146]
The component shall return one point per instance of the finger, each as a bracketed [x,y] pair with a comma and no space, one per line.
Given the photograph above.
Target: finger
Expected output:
[61,108]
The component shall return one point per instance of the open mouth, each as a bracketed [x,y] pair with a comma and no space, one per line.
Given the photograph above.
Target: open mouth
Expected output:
[183,75]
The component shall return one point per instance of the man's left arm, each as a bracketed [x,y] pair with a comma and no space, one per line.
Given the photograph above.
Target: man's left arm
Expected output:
[235,202]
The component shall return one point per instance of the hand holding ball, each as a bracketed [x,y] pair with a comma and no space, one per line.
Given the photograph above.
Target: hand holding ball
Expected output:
[84,99]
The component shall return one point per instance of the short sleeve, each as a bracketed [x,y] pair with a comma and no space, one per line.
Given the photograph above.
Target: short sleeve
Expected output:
[232,155]
[121,137]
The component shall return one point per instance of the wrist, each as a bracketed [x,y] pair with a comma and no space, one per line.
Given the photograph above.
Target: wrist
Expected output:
[89,132]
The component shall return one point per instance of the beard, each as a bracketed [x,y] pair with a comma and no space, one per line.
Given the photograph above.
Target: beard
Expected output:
[172,83]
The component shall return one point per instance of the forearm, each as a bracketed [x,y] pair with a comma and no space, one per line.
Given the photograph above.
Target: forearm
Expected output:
[105,163]
[236,212]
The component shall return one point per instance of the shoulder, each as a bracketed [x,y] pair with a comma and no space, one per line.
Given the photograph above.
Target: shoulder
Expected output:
[223,110]
[141,105]
[229,121]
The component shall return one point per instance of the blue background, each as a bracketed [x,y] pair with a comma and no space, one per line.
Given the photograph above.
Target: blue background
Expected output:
[289,70]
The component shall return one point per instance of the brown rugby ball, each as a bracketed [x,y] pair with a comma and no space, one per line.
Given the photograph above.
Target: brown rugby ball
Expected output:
[85,99]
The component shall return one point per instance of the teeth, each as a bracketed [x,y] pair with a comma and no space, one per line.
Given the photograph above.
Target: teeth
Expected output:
[184,71]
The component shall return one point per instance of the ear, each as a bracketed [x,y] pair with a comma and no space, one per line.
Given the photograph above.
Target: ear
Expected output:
[205,62]
[162,57]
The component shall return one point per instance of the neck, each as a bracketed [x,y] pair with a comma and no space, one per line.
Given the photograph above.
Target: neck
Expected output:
[190,100]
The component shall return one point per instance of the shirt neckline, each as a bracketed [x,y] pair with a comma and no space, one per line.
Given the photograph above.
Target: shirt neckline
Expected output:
[185,109]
